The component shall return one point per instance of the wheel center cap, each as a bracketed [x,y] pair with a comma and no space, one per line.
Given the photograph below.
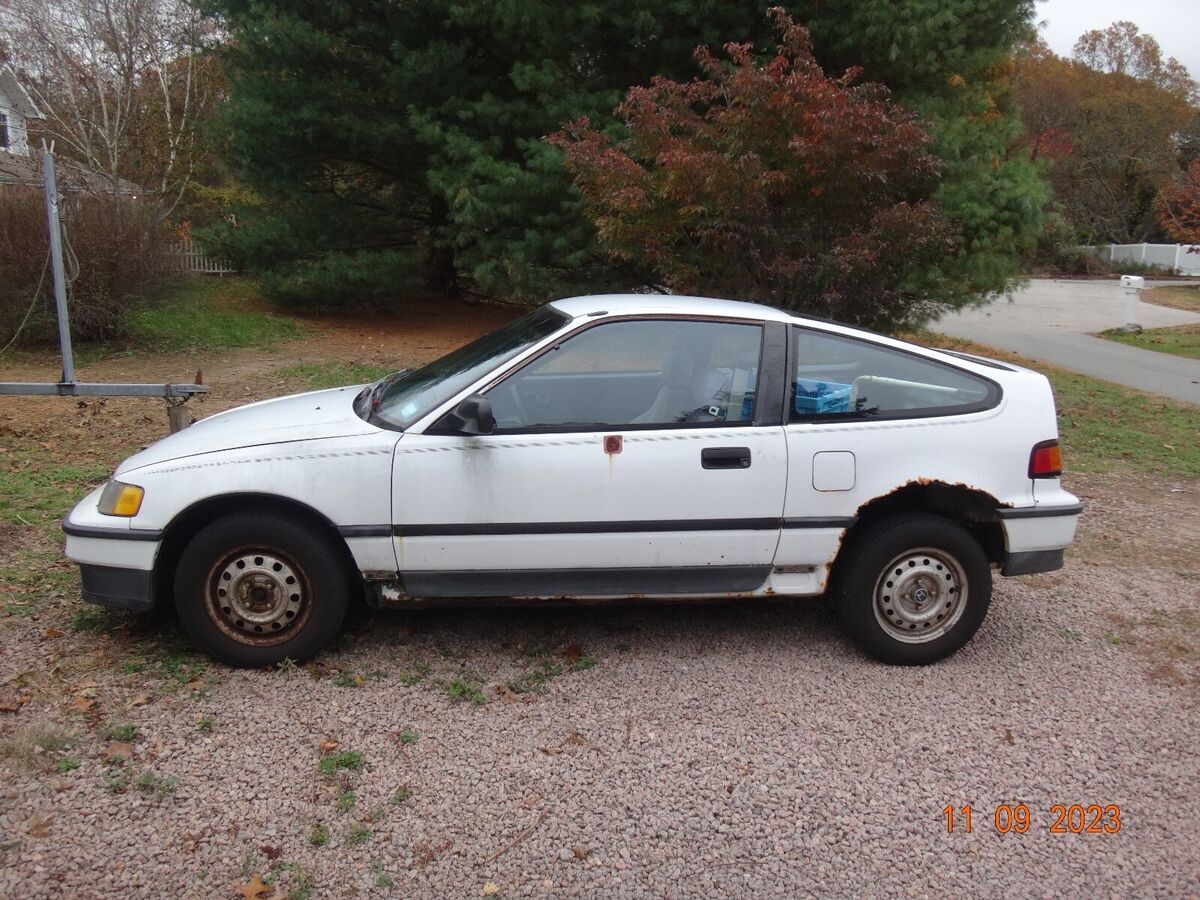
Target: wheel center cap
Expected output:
[921,595]
[259,594]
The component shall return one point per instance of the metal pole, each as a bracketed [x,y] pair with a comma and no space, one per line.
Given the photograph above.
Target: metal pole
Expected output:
[56,259]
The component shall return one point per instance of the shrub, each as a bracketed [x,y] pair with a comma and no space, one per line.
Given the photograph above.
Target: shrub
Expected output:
[116,261]
[775,182]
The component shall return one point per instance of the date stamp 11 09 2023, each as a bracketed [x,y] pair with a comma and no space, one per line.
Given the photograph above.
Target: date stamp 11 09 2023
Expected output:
[1017,818]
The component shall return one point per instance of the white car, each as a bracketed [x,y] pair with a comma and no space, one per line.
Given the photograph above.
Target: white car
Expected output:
[598,449]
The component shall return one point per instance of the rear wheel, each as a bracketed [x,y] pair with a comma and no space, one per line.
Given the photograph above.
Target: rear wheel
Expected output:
[254,589]
[913,589]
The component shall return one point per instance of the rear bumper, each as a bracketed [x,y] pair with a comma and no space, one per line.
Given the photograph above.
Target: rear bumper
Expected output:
[1031,562]
[131,589]
[1036,536]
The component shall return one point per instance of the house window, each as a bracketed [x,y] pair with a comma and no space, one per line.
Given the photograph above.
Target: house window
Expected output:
[4,131]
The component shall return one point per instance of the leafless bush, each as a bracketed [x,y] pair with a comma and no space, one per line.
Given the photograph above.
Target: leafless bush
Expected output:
[117,263]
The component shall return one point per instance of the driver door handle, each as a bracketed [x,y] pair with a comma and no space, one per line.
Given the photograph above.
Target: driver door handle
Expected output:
[725,458]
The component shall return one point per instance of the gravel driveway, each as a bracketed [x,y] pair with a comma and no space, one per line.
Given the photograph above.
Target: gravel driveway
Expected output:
[656,751]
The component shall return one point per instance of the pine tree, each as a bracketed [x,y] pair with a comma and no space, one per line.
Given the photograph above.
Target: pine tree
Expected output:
[396,144]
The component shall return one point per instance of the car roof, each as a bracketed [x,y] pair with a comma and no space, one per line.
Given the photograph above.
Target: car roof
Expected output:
[624,304]
[631,304]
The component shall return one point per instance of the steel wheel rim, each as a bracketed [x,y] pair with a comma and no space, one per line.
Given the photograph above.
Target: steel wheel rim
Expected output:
[920,595]
[257,596]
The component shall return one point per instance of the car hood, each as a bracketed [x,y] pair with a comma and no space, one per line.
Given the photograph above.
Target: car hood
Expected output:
[301,417]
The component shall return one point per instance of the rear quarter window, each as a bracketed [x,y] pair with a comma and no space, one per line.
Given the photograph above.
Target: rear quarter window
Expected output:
[837,377]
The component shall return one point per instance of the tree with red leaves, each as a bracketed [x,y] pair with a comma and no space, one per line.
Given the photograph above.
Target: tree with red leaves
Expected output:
[774,182]
[1178,206]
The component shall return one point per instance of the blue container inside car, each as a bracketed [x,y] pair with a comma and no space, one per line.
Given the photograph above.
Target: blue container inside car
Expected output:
[814,397]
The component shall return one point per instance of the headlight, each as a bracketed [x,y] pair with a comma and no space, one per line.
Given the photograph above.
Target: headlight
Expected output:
[121,499]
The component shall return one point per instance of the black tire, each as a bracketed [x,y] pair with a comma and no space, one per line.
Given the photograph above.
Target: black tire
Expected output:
[254,589]
[937,596]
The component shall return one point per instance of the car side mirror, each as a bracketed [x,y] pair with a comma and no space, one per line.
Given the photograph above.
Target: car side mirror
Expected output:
[472,415]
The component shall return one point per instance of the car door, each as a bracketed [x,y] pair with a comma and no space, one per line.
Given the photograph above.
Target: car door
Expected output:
[633,456]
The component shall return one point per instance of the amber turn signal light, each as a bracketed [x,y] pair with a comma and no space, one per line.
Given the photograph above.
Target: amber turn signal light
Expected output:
[1045,460]
[121,499]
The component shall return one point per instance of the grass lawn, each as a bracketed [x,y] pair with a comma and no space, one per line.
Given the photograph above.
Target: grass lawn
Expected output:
[206,313]
[1105,427]
[1182,340]
[334,374]
[1179,296]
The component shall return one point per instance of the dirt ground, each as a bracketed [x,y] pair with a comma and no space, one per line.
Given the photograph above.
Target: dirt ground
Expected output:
[619,751]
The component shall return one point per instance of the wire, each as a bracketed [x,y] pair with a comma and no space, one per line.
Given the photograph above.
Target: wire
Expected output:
[70,259]
[36,292]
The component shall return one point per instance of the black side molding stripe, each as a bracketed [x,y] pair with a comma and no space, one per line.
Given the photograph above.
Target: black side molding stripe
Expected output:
[614,527]
[111,534]
[487,528]
[820,522]
[1041,512]
[357,531]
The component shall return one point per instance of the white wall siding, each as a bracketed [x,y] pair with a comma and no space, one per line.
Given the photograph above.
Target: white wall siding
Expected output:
[18,135]
[1175,257]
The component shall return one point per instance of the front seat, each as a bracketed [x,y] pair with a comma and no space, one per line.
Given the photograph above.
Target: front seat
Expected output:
[674,399]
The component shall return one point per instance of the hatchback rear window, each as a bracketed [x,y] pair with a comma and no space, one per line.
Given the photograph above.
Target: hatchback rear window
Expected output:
[837,377]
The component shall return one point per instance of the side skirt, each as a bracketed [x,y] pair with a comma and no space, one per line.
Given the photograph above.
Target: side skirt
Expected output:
[565,584]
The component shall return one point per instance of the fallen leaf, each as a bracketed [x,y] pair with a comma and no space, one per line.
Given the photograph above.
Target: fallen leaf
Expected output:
[328,746]
[580,852]
[507,694]
[358,680]
[117,749]
[39,826]
[490,889]
[139,700]
[572,653]
[270,852]
[254,888]
[551,751]
[52,633]
[11,703]
[576,738]
[83,704]
[1008,736]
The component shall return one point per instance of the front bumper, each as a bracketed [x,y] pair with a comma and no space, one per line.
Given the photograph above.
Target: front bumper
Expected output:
[131,589]
[116,562]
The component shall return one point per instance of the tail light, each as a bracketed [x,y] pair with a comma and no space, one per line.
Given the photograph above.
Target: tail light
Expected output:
[1045,460]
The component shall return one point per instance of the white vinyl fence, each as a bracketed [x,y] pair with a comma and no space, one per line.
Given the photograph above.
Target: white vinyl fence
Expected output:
[187,258]
[1182,259]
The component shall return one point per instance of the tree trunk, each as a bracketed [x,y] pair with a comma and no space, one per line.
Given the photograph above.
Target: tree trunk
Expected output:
[441,273]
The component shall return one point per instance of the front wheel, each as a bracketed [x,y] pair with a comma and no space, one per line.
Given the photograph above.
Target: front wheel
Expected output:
[913,589]
[255,589]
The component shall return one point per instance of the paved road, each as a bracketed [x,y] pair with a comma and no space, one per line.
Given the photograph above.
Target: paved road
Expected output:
[1053,321]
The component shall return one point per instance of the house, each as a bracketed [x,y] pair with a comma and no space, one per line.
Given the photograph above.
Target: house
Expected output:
[18,166]
[16,109]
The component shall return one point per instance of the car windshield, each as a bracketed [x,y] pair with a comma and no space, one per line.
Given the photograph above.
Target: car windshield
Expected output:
[401,399]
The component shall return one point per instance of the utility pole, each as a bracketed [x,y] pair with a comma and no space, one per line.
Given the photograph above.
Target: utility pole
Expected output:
[56,262]
[175,394]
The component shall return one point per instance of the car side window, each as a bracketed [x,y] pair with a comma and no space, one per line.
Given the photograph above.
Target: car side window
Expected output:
[836,377]
[644,372]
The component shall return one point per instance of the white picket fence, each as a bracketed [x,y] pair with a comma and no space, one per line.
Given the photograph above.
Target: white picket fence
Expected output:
[187,258]
[1182,259]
